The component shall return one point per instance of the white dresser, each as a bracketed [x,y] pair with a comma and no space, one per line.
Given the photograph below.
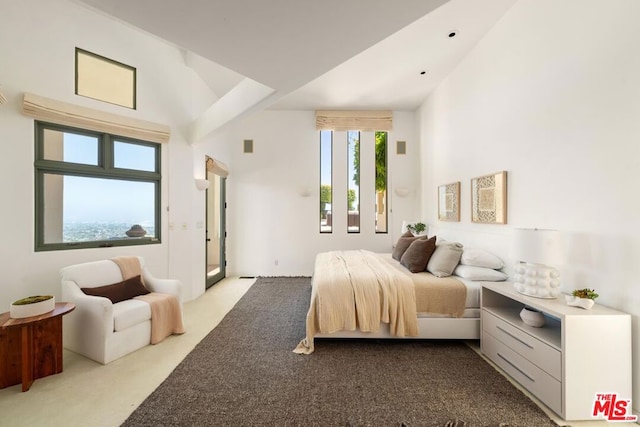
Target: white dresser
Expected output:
[575,355]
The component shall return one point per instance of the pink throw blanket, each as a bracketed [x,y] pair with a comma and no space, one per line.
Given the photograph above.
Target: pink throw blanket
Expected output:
[166,313]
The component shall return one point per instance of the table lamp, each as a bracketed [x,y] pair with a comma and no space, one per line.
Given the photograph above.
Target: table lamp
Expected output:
[536,252]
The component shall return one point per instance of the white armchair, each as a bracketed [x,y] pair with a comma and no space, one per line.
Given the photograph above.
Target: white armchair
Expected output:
[99,329]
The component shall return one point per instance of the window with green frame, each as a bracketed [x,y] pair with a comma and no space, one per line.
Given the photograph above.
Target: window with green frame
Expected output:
[94,189]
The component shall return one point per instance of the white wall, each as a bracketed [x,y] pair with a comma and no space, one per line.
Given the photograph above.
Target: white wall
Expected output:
[551,96]
[269,220]
[37,47]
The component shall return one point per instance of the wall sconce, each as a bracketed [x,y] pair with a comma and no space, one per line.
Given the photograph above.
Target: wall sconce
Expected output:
[304,191]
[536,252]
[402,191]
[202,184]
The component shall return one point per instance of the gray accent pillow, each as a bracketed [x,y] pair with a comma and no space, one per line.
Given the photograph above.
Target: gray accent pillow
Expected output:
[417,255]
[402,245]
[445,259]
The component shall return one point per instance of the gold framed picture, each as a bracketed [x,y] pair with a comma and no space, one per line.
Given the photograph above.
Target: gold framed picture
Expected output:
[489,198]
[449,202]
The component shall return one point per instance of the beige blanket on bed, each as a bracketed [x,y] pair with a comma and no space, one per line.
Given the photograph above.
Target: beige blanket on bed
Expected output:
[434,295]
[353,289]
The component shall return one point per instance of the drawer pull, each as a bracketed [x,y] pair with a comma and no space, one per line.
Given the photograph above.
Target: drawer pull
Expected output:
[516,368]
[515,337]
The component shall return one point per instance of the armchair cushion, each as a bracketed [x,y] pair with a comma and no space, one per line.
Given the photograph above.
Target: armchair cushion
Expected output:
[129,313]
[120,291]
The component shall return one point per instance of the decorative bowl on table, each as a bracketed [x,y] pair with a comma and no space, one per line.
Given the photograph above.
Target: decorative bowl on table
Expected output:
[532,317]
[32,306]
[585,303]
[136,230]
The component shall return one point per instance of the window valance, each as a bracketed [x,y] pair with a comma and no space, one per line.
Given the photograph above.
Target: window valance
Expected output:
[58,112]
[217,167]
[363,120]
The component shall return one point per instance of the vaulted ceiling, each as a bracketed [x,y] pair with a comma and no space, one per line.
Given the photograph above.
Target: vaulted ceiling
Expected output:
[303,54]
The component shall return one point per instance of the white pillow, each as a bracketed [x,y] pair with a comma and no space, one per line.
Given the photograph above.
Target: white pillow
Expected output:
[444,259]
[481,258]
[472,272]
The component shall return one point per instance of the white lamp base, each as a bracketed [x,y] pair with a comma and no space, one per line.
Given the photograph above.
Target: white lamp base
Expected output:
[537,280]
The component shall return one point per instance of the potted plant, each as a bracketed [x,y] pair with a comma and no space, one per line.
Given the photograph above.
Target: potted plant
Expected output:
[583,298]
[32,306]
[417,229]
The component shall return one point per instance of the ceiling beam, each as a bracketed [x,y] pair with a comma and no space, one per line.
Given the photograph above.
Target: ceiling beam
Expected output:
[243,98]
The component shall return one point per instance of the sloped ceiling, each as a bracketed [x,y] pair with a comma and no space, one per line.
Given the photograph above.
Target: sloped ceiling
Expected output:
[303,54]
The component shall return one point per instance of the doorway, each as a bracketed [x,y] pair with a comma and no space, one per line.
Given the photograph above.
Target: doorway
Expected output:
[215,231]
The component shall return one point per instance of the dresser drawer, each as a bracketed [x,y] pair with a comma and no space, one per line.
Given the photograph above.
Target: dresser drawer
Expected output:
[544,356]
[539,383]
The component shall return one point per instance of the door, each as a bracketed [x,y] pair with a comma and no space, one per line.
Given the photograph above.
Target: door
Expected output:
[215,229]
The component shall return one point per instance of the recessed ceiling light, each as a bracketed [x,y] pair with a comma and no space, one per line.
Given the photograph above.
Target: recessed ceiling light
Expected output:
[453,33]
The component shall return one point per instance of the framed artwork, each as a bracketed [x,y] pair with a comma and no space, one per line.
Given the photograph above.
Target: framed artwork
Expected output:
[449,202]
[104,79]
[489,198]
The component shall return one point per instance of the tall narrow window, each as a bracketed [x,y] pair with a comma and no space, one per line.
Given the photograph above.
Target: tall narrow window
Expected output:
[353,188]
[381,182]
[326,192]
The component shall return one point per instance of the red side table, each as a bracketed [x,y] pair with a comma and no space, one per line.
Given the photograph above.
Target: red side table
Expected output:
[31,348]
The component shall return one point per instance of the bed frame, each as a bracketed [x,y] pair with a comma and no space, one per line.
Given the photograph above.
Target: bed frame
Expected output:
[429,327]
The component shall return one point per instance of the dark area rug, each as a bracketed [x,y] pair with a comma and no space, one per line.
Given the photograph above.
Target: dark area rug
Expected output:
[244,373]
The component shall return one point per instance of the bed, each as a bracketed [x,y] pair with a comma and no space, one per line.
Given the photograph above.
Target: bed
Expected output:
[361,294]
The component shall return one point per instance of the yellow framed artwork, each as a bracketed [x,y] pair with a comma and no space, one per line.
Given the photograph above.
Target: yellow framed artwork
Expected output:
[449,202]
[489,198]
[104,79]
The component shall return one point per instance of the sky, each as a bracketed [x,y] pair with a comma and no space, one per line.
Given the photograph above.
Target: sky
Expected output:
[108,200]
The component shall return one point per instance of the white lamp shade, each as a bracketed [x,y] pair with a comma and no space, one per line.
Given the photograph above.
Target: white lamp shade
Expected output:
[402,191]
[536,246]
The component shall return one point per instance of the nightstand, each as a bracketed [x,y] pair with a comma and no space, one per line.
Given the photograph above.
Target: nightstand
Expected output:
[565,363]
